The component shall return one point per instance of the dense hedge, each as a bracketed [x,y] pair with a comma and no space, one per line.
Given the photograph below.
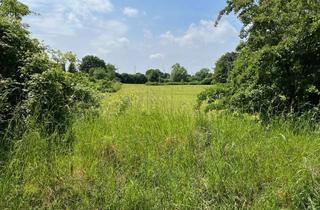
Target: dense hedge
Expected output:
[35,89]
[277,67]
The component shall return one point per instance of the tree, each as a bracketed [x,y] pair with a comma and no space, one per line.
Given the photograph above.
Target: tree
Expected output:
[202,74]
[18,51]
[178,73]
[72,68]
[111,71]
[13,9]
[61,58]
[91,61]
[153,75]
[223,67]
[277,67]
[140,78]
[98,73]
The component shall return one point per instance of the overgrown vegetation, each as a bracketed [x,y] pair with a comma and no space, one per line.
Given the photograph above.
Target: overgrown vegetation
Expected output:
[35,87]
[142,151]
[276,70]
[67,145]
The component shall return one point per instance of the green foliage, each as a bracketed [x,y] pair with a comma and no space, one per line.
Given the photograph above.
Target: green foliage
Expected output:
[137,78]
[277,67]
[11,95]
[178,73]
[51,97]
[111,71]
[98,73]
[16,47]
[106,73]
[202,74]
[216,97]
[153,75]
[72,68]
[13,9]
[61,58]
[223,67]
[89,62]
[34,89]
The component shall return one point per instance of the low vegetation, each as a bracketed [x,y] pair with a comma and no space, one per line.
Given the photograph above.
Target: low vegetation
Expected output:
[142,151]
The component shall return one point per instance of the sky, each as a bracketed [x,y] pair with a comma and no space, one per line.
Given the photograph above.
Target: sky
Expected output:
[136,35]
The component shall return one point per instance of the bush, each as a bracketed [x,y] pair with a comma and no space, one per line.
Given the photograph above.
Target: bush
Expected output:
[11,93]
[275,71]
[216,97]
[51,99]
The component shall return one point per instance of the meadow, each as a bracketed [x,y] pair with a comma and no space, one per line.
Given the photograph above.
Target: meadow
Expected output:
[147,147]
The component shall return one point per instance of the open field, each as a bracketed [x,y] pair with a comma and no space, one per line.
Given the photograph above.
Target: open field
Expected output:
[148,148]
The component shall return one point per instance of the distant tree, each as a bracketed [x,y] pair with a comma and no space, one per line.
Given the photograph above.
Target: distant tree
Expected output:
[111,71]
[72,68]
[164,76]
[124,78]
[153,75]
[137,78]
[179,73]
[223,67]
[202,74]
[140,78]
[91,61]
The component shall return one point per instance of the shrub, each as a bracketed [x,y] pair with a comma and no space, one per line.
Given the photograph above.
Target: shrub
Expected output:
[11,93]
[98,73]
[216,97]
[276,69]
[51,98]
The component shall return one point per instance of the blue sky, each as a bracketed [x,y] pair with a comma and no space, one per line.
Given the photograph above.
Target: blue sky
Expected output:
[137,34]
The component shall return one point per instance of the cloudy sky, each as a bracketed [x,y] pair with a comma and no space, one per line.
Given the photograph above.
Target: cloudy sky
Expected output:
[137,34]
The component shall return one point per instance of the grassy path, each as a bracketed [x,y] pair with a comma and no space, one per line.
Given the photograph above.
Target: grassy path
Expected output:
[149,149]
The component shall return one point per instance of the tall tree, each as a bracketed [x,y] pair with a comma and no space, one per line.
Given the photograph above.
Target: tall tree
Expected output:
[111,71]
[223,67]
[202,74]
[91,61]
[178,73]
[278,64]
[154,75]
[72,68]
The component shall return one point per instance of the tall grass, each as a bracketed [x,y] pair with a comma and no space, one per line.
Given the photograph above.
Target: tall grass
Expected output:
[149,149]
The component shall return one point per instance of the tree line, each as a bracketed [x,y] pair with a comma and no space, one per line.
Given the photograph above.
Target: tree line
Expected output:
[98,69]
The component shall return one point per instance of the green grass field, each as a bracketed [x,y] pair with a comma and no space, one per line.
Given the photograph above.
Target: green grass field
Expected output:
[148,148]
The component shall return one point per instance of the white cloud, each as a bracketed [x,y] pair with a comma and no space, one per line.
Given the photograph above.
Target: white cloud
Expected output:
[147,34]
[112,37]
[130,12]
[156,56]
[64,17]
[114,27]
[205,32]
[105,45]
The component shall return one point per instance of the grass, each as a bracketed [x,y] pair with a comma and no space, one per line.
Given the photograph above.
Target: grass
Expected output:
[148,148]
